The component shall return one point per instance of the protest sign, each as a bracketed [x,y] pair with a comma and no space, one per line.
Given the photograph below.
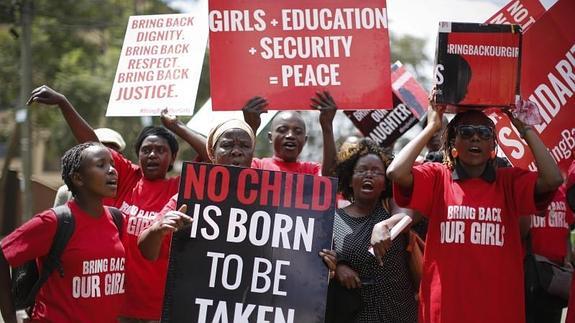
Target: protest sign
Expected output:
[252,249]
[519,12]
[477,64]
[160,65]
[286,50]
[549,81]
[409,105]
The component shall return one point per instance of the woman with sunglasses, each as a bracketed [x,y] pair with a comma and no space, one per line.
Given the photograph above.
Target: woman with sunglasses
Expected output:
[473,267]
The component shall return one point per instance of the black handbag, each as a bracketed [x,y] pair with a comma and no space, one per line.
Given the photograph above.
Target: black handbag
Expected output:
[542,274]
[343,304]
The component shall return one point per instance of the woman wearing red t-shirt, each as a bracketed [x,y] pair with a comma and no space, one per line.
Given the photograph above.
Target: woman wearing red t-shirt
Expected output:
[473,269]
[94,256]
[550,237]
[143,190]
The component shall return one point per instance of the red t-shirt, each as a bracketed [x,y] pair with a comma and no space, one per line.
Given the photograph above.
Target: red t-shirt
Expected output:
[92,289]
[141,200]
[549,234]
[473,266]
[277,164]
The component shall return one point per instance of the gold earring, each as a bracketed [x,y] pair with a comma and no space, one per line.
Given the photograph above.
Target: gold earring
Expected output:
[454,152]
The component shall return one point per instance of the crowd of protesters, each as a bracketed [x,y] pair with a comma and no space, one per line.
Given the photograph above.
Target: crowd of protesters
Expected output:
[473,209]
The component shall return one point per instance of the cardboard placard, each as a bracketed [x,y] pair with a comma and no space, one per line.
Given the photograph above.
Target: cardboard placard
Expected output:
[252,248]
[286,50]
[410,105]
[160,65]
[477,65]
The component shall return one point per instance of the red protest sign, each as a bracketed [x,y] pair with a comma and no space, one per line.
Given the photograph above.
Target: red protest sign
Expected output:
[470,57]
[549,81]
[286,50]
[520,12]
[409,105]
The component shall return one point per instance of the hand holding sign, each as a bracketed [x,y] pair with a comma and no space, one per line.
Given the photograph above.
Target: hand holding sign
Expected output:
[347,276]
[329,257]
[380,240]
[174,220]
[252,110]
[168,120]
[324,102]
[527,112]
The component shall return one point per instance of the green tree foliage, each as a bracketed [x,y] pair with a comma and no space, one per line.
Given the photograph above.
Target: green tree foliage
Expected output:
[409,50]
[76,45]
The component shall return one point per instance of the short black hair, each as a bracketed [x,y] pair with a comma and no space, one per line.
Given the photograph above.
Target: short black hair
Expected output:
[72,161]
[347,159]
[160,132]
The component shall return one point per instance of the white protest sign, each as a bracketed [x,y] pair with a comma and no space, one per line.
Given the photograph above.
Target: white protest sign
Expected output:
[160,65]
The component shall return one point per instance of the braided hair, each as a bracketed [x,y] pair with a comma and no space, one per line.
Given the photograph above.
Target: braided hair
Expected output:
[347,159]
[71,163]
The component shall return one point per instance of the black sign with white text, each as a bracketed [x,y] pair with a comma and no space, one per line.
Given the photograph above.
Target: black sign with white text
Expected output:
[251,253]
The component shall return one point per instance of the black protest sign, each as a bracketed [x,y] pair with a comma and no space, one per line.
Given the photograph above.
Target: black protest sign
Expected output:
[251,253]
[409,106]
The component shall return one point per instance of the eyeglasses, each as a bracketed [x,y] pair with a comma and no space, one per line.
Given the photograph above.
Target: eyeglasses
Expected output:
[467,131]
[363,172]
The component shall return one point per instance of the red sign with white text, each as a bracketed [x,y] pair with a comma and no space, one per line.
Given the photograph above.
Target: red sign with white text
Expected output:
[548,79]
[520,12]
[286,50]
[477,64]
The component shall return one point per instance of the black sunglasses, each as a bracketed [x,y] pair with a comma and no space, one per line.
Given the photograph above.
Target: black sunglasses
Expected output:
[467,131]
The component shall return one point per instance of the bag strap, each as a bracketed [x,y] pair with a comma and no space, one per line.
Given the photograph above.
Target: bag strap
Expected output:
[118,218]
[64,230]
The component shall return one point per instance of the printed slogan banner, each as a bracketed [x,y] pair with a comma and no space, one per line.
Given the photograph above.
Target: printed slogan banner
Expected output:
[519,12]
[252,250]
[160,65]
[286,50]
[470,57]
[409,106]
[549,81]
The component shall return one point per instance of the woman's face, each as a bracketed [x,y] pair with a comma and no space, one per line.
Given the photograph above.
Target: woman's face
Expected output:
[474,140]
[234,147]
[155,157]
[368,178]
[97,174]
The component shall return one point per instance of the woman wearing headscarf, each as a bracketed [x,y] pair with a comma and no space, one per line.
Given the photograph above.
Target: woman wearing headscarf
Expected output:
[231,142]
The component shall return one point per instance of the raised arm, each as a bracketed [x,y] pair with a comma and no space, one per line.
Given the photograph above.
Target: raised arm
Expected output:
[81,130]
[252,111]
[193,138]
[549,175]
[324,102]
[399,171]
